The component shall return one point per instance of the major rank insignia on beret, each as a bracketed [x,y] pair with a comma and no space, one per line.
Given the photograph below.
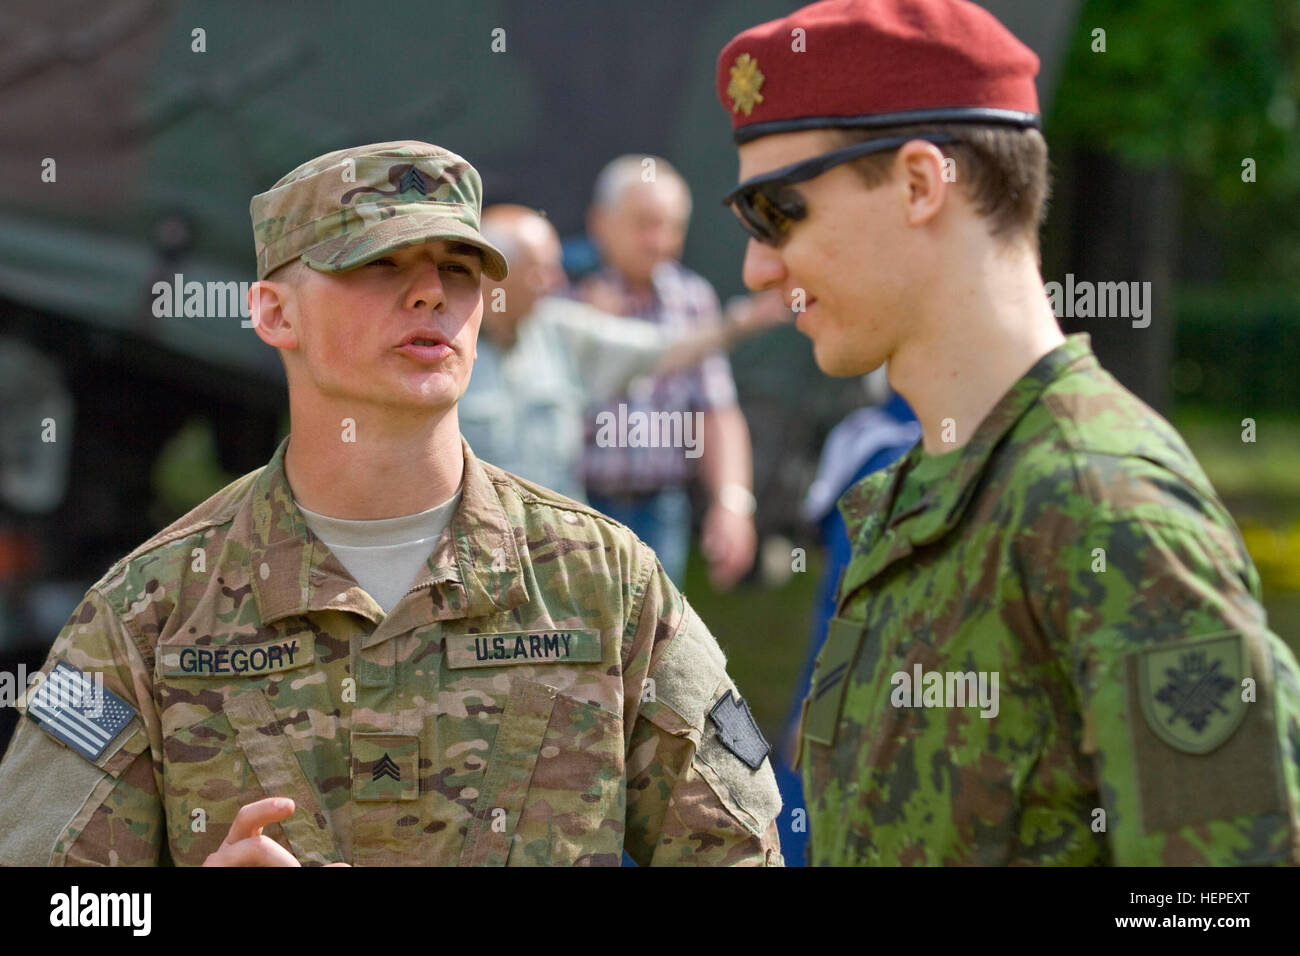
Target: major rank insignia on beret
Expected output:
[746,81]
[738,730]
[872,64]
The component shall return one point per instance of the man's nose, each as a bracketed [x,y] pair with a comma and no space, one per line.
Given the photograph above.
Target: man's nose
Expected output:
[426,289]
[659,240]
[764,267]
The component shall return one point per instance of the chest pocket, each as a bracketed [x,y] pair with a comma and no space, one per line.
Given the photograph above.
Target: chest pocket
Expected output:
[225,711]
[549,757]
[552,786]
[271,755]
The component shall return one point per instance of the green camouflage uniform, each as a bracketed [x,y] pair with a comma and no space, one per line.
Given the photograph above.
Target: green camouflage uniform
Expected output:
[1145,713]
[541,696]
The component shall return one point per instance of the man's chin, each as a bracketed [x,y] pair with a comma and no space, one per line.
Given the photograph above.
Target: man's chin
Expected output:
[421,399]
[838,364]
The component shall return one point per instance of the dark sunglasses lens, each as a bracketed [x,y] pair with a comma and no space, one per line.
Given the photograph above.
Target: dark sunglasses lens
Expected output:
[767,219]
[754,224]
[782,207]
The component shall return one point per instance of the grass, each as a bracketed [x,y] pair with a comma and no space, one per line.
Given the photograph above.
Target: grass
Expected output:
[1259,481]
[764,633]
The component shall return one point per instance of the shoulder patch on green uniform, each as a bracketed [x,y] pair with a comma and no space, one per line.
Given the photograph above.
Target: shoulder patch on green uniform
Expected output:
[1200,752]
[1191,691]
[833,667]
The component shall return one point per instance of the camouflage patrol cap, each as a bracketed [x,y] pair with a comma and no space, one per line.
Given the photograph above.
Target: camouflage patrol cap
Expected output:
[341,210]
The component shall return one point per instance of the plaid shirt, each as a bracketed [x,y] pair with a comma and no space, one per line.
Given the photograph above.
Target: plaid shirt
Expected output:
[683,302]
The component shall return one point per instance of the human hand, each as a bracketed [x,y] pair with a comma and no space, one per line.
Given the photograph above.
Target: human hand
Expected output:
[246,845]
[728,541]
[753,313]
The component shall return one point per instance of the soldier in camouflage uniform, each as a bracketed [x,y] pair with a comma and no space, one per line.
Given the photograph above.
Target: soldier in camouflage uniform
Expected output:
[541,694]
[1049,646]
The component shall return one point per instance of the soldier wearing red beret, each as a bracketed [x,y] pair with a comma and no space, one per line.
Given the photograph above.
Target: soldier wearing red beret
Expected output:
[1049,646]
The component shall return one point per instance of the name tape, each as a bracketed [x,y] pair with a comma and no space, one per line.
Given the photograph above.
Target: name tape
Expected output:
[523,647]
[237,660]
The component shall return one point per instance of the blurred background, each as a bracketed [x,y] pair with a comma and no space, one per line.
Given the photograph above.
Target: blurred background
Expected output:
[128,156]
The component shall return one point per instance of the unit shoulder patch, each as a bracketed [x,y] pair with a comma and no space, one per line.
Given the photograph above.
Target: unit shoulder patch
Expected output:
[738,731]
[1190,691]
[1201,752]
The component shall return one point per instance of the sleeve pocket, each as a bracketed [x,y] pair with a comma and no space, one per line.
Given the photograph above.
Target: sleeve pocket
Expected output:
[751,795]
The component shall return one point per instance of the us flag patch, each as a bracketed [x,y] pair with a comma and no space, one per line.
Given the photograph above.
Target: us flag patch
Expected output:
[79,712]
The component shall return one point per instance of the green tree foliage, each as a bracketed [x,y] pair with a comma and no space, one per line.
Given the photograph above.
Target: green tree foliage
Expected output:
[1200,83]
[1203,86]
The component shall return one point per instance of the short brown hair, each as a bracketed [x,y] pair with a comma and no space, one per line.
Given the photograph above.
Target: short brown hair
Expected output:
[1003,168]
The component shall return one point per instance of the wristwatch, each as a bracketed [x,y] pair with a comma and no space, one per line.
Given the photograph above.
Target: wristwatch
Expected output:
[737,498]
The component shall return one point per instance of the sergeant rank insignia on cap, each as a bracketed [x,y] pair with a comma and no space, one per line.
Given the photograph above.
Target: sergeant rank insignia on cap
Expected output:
[78,712]
[738,731]
[746,81]
[411,179]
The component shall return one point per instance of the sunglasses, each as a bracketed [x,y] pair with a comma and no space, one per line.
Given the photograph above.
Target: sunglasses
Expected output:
[768,207]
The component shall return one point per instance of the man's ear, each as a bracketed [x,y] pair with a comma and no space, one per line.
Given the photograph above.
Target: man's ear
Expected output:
[271,307]
[919,167]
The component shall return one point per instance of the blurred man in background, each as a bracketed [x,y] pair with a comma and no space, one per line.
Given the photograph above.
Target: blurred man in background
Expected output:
[543,359]
[638,218]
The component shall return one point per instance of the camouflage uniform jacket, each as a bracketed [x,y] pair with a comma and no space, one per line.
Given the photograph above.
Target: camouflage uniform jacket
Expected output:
[1145,714]
[541,696]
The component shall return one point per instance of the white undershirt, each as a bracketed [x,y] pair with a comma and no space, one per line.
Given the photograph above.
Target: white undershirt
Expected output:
[384,555]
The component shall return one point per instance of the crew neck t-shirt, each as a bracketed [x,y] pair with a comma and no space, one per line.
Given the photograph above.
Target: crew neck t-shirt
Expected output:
[384,555]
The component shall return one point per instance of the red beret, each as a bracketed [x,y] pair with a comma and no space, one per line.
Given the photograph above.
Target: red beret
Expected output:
[869,63]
